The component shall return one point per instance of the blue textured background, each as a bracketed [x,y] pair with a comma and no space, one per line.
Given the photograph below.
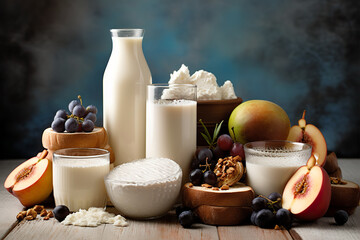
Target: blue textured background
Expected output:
[298,54]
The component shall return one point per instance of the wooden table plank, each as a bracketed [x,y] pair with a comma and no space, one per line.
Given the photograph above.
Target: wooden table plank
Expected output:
[251,232]
[9,206]
[325,228]
[163,228]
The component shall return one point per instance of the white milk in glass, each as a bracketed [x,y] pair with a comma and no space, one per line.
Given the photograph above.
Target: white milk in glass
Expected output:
[267,174]
[124,95]
[171,131]
[79,183]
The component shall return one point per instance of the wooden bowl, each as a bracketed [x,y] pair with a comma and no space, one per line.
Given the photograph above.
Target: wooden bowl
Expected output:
[212,112]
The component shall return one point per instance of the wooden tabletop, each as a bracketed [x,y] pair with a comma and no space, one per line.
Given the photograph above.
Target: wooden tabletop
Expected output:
[168,227]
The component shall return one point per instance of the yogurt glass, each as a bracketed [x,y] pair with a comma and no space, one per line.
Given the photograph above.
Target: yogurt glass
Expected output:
[78,177]
[270,164]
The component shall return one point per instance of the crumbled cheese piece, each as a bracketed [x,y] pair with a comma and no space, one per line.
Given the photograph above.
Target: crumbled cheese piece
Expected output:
[207,87]
[180,76]
[227,91]
[94,217]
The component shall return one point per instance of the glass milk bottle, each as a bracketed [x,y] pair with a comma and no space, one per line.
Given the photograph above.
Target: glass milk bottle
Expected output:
[124,95]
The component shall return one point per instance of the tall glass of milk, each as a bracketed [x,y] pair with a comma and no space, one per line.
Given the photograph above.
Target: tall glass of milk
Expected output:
[171,123]
[78,177]
[124,95]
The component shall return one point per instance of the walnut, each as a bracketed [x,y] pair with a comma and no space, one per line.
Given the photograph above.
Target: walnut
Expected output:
[229,171]
[29,218]
[31,212]
[50,214]
[206,185]
[43,213]
[20,216]
[38,208]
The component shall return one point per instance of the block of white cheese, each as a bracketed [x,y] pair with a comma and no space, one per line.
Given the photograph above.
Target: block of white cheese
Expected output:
[146,188]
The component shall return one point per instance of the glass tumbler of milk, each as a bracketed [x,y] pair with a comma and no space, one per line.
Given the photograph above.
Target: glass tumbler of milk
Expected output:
[171,123]
[270,164]
[124,95]
[78,177]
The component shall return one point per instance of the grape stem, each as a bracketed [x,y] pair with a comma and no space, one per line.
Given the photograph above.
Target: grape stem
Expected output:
[207,165]
[271,203]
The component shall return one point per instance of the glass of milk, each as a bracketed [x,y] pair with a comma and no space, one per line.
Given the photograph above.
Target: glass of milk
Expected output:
[78,177]
[171,123]
[270,164]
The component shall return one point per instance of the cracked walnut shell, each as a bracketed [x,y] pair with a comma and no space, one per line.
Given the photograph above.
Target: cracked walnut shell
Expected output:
[229,171]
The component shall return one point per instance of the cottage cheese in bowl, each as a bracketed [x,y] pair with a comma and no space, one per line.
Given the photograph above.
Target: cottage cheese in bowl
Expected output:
[146,188]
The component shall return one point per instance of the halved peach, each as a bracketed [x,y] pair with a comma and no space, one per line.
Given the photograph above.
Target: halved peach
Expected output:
[308,192]
[308,133]
[31,181]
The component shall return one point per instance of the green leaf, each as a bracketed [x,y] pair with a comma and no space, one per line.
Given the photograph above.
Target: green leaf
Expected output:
[206,138]
[205,129]
[217,130]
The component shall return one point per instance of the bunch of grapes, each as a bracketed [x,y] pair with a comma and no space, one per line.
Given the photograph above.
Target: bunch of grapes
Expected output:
[267,212]
[205,159]
[80,119]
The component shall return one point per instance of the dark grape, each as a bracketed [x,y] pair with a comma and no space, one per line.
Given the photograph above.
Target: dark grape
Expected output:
[195,163]
[196,177]
[79,111]
[341,217]
[210,177]
[237,150]
[71,125]
[90,116]
[91,109]
[186,218]
[72,104]
[87,126]
[218,153]
[180,209]
[58,125]
[265,219]
[225,142]
[259,203]
[60,212]
[61,114]
[203,154]
[274,196]
[252,217]
[284,218]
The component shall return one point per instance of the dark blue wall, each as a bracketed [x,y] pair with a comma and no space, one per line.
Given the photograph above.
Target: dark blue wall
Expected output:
[298,54]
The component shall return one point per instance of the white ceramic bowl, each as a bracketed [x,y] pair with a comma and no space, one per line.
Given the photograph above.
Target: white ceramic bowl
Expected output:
[144,189]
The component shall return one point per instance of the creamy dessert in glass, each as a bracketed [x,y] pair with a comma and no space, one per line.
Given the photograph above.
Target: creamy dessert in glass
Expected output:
[78,177]
[270,164]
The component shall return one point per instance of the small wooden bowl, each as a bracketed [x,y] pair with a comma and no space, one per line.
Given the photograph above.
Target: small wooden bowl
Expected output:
[212,112]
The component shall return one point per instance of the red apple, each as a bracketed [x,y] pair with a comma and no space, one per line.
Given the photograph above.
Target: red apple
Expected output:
[308,192]
[308,133]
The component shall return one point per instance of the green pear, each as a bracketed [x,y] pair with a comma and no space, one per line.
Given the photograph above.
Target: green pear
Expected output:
[257,120]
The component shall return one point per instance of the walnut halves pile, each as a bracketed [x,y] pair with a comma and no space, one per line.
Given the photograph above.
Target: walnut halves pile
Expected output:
[229,170]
